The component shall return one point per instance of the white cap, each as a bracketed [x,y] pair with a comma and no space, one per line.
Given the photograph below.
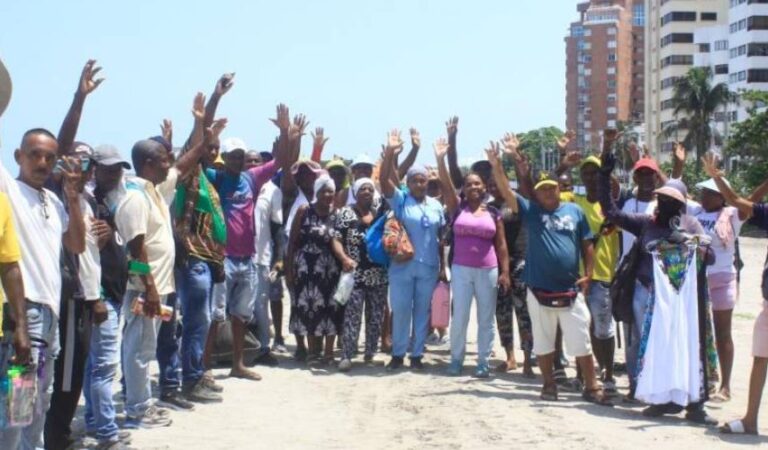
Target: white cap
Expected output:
[711,185]
[5,88]
[362,159]
[231,144]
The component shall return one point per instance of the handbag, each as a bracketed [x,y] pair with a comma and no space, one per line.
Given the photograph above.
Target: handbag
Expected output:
[374,242]
[395,239]
[622,289]
[552,299]
[441,306]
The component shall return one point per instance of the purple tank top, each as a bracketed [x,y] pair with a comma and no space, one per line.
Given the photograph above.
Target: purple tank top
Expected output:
[474,238]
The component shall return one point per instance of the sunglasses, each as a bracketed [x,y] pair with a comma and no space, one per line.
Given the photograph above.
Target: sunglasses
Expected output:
[85,164]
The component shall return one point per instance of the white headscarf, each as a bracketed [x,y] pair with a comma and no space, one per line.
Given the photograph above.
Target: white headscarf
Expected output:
[322,181]
[359,183]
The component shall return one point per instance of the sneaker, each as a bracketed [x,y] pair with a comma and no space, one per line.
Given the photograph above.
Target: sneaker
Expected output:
[609,387]
[433,339]
[199,394]
[122,435]
[345,365]
[395,363]
[279,347]
[368,359]
[482,371]
[267,359]
[454,370]
[700,417]
[416,363]
[112,445]
[443,340]
[174,400]
[151,419]
[209,383]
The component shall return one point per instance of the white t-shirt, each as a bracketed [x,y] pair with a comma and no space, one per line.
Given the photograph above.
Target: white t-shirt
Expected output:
[40,221]
[269,208]
[145,210]
[725,256]
[634,206]
[90,259]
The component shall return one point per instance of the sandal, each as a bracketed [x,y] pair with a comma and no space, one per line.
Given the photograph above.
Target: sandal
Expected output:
[549,393]
[597,396]
[736,427]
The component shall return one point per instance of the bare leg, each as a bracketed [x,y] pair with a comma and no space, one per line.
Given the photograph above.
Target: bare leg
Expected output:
[725,349]
[238,341]
[546,365]
[756,384]
[276,308]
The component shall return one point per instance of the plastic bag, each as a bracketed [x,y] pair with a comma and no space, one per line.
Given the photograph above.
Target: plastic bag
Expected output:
[22,393]
[441,306]
[344,288]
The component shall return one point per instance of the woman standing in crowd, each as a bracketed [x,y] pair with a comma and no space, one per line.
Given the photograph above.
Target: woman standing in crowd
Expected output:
[666,274]
[480,263]
[370,291]
[313,272]
[412,282]
[723,224]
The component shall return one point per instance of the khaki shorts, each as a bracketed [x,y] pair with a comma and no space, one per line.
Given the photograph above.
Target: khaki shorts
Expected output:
[574,322]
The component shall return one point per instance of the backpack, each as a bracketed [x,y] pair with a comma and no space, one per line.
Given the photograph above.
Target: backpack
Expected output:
[622,289]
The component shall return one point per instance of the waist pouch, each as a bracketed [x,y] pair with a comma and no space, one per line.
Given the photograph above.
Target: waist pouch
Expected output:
[555,299]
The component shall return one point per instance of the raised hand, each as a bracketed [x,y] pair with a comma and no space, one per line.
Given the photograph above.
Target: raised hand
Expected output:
[166,129]
[394,141]
[562,143]
[492,153]
[88,83]
[224,84]
[301,123]
[634,152]
[218,126]
[510,142]
[415,138]
[611,135]
[441,148]
[709,161]
[571,159]
[283,118]
[72,171]
[198,107]
[679,152]
[318,138]
[452,126]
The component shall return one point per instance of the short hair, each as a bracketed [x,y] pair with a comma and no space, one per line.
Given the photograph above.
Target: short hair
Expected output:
[144,150]
[36,131]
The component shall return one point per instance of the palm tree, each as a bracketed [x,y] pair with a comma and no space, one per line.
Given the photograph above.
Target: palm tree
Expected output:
[697,100]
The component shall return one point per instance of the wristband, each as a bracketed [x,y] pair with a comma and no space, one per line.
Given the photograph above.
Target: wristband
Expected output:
[138,268]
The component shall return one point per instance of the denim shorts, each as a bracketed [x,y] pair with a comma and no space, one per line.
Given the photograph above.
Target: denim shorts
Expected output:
[600,308]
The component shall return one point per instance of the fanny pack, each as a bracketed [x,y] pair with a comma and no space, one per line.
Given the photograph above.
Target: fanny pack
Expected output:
[555,299]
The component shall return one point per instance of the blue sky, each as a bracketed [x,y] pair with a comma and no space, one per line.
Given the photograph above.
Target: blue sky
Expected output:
[357,68]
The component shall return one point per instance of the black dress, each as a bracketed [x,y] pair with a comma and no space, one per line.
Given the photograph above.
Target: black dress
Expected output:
[314,312]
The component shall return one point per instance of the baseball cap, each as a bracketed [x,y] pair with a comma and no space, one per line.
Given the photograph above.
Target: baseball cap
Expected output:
[675,189]
[335,163]
[481,166]
[82,149]
[5,87]
[646,163]
[362,159]
[311,165]
[710,185]
[232,144]
[266,156]
[109,155]
[591,159]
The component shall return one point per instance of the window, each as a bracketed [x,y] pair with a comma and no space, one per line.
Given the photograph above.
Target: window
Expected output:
[743,75]
[611,71]
[757,23]
[669,82]
[677,38]
[677,60]
[757,76]
[638,14]
[709,17]
[611,44]
[721,45]
[577,31]
[611,31]
[738,51]
[757,49]
[612,57]
[703,48]
[611,110]
[611,99]
[611,84]
[667,104]
[678,16]
[611,124]
[721,69]
[587,32]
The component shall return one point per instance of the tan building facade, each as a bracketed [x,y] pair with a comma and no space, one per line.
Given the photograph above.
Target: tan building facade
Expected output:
[669,54]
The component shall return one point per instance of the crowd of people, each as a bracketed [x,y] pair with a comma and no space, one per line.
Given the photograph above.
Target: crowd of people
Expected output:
[104,270]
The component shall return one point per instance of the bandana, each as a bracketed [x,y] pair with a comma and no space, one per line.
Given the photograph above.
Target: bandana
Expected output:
[359,184]
[321,182]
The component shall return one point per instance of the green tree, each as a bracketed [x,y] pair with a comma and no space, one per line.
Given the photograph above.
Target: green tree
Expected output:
[533,142]
[697,100]
[749,141]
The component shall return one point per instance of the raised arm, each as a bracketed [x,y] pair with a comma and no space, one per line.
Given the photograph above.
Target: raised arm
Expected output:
[568,159]
[191,158]
[74,236]
[632,223]
[511,146]
[759,193]
[394,143]
[449,192]
[452,128]
[292,143]
[744,206]
[502,183]
[678,161]
[318,144]
[86,85]
[407,163]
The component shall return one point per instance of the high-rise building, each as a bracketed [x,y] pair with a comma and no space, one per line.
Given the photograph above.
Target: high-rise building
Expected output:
[604,68]
[669,54]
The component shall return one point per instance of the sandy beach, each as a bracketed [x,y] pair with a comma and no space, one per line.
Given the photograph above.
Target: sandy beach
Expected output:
[297,408]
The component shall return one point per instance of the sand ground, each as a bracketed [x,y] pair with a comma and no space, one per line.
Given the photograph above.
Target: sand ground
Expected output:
[296,408]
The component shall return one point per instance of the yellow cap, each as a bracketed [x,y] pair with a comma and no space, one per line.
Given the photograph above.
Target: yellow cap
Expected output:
[545,182]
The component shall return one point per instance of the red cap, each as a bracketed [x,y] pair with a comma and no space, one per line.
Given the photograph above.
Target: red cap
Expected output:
[647,163]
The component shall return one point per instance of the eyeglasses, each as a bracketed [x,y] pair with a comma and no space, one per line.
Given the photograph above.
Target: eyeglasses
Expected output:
[44,203]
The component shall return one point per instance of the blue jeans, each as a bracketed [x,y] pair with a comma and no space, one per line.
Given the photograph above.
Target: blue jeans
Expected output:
[241,287]
[100,370]
[260,308]
[411,286]
[139,345]
[635,331]
[599,302]
[195,287]
[43,326]
[167,352]
[468,282]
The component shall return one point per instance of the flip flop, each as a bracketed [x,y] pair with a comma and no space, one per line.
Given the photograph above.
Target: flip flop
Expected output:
[720,398]
[597,396]
[247,375]
[736,427]
[549,393]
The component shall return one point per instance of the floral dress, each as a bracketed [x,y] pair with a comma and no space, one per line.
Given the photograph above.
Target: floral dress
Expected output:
[314,312]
